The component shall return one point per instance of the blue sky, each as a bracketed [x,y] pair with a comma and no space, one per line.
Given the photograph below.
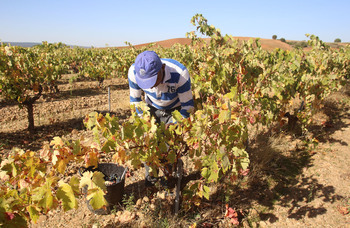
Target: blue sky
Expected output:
[106,22]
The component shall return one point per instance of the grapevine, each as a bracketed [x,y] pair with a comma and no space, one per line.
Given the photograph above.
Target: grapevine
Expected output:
[236,86]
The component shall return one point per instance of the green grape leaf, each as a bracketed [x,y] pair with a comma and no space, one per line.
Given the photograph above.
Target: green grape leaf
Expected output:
[108,146]
[98,180]
[90,120]
[76,147]
[224,115]
[33,212]
[214,172]
[225,163]
[44,197]
[206,192]
[205,173]
[177,115]
[171,157]
[74,183]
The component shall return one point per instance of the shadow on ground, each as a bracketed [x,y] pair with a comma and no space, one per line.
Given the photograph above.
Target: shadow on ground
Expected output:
[34,141]
[88,92]
[64,95]
[277,175]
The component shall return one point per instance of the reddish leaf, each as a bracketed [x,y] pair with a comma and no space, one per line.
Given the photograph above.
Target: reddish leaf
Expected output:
[206,225]
[232,214]
[9,216]
[196,145]
[234,221]
[244,172]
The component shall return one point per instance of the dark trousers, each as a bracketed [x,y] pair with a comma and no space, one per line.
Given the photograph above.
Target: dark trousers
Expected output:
[160,116]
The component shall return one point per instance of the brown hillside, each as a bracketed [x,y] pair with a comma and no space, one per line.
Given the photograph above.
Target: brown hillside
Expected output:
[267,44]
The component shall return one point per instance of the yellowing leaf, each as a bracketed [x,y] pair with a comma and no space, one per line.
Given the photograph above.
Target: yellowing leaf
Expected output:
[86,180]
[57,142]
[194,225]
[74,183]
[54,157]
[101,120]
[97,199]
[224,106]
[43,195]
[224,115]
[98,180]
[233,116]
[200,193]
[91,158]
[66,194]
[3,176]
[153,128]
[120,156]
[61,165]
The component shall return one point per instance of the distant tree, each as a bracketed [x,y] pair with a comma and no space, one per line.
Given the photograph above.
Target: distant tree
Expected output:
[283,40]
[274,37]
[338,40]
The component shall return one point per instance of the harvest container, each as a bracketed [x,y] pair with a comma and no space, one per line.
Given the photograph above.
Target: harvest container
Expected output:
[115,191]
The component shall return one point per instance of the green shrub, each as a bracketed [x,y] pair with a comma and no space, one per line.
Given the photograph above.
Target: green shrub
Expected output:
[274,37]
[338,40]
[283,40]
[298,44]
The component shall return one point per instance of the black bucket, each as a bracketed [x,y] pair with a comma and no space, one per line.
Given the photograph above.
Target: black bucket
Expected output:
[115,191]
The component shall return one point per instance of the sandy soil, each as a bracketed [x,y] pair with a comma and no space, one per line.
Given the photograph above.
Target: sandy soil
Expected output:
[320,193]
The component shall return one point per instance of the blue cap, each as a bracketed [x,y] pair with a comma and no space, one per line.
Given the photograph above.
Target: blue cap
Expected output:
[147,66]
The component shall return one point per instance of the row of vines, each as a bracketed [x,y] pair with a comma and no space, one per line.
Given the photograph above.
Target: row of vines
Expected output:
[236,85]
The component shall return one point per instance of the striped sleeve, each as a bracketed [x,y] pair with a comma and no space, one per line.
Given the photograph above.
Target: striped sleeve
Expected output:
[135,90]
[185,94]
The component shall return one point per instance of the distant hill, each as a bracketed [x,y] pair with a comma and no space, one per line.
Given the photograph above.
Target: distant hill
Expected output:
[22,44]
[267,44]
[31,44]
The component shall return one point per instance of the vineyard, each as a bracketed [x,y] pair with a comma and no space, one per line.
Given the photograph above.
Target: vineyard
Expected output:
[242,93]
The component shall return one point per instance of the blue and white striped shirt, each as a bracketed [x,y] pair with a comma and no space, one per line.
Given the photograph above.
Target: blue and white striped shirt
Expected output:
[174,91]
